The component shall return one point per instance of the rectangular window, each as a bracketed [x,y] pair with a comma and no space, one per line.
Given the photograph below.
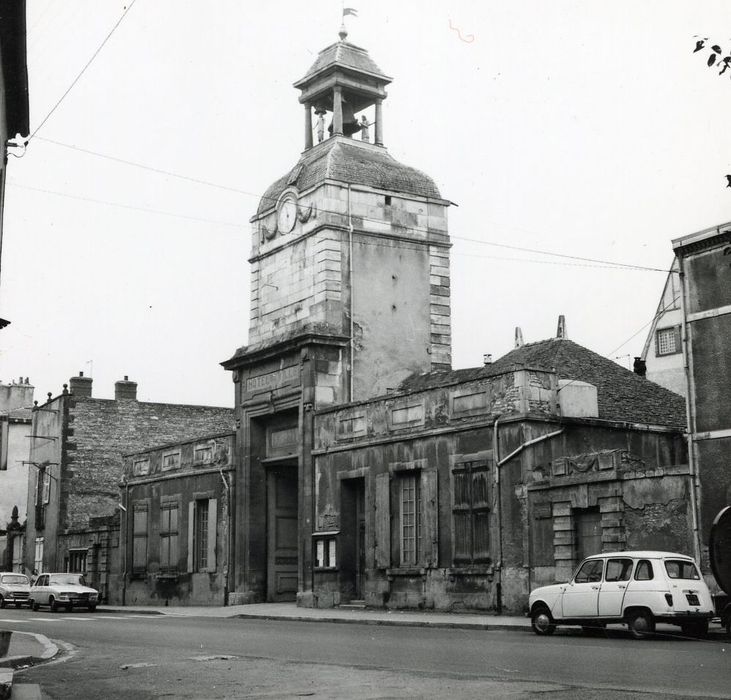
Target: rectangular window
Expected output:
[201,535]
[667,341]
[76,562]
[203,454]
[170,460]
[141,467]
[4,433]
[407,415]
[470,512]
[38,558]
[169,537]
[411,508]
[139,538]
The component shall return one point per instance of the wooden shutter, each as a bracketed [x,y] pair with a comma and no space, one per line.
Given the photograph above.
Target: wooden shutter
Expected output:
[430,539]
[461,515]
[191,534]
[480,514]
[383,521]
[4,431]
[212,525]
[678,339]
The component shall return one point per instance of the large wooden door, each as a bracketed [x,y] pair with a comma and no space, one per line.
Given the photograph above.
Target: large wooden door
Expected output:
[282,534]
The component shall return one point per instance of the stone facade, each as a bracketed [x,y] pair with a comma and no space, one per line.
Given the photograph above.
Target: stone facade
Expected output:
[501,486]
[76,459]
[185,562]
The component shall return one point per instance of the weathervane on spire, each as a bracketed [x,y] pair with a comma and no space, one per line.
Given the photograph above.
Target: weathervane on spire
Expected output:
[343,33]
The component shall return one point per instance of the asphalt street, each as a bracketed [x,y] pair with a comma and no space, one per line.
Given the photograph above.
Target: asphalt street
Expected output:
[150,656]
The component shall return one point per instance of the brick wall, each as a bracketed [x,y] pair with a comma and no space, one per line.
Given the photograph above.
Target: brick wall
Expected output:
[100,431]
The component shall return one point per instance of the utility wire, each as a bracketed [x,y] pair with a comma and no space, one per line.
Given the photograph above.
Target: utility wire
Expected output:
[123,206]
[608,264]
[83,70]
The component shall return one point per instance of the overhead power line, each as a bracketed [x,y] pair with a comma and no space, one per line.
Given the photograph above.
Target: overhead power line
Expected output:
[609,264]
[83,70]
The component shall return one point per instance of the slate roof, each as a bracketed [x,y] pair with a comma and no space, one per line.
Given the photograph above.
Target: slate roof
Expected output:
[622,395]
[348,161]
[346,55]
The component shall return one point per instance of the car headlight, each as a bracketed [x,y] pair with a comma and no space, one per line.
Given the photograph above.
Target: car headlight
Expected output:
[93,596]
[63,595]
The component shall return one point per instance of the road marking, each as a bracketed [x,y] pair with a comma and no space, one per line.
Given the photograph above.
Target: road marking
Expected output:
[78,619]
[44,619]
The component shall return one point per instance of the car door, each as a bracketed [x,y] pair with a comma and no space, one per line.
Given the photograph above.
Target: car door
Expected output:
[580,598]
[40,592]
[614,586]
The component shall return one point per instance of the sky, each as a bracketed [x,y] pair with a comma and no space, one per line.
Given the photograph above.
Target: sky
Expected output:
[585,129]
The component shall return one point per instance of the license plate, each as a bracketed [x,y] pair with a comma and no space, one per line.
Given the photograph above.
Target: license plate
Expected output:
[692,599]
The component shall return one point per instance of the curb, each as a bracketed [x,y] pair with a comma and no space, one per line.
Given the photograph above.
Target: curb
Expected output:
[385,623]
[134,611]
[49,651]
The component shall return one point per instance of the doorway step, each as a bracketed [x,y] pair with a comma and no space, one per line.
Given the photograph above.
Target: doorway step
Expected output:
[353,605]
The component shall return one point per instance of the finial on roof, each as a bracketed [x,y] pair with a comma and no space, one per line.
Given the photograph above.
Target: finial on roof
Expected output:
[561,329]
[519,337]
[343,33]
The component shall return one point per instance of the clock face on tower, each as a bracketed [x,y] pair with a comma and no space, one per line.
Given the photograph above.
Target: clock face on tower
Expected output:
[287,214]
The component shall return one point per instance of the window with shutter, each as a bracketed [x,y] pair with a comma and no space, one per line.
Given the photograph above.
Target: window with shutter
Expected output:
[139,538]
[169,538]
[471,512]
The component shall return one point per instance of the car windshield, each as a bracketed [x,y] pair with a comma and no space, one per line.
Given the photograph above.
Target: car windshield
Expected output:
[15,579]
[678,568]
[67,580]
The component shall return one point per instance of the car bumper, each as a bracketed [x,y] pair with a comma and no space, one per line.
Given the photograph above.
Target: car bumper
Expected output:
[684,616]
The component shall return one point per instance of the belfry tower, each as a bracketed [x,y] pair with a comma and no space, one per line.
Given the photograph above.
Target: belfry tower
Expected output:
[350,295]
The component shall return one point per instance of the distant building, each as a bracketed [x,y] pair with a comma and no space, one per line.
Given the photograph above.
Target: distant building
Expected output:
[663,350]
[16,400]
[178,522]
[704,260]
[77,443]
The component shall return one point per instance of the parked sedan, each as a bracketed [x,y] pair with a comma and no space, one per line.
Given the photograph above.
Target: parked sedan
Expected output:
[14,588]
[63,590]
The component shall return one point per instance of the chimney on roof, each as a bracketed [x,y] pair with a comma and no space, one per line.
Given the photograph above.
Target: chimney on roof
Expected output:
[487,359]
[125,389]
[640,367]
[519,337]
[81,385]
[561,328]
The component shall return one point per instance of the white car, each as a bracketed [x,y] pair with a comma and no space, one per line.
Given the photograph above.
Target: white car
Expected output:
[635,588]
[63,590]
[14,588]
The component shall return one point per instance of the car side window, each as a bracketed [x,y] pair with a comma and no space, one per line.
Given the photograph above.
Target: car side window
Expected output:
[590,571]
[643,572]
[618,570]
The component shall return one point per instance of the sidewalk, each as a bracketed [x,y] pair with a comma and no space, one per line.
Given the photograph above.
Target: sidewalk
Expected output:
[290,611]
[27,648]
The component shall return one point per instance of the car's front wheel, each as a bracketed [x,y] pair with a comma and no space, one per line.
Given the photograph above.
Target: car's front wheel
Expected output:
[541,621]
[641,624]
[34,605]
[53,604]
[2,602]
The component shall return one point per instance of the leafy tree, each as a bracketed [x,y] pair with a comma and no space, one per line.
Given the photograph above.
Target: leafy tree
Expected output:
[715,58]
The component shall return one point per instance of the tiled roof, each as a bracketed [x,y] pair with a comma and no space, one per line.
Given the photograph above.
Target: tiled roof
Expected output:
[346,55]
[622,395]
[345,160]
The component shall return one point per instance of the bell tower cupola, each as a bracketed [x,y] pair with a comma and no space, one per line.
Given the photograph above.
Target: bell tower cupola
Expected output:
[342,83]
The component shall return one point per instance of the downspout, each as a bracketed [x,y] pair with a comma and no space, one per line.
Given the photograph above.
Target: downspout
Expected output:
[499,463]
[229,558]
[352,294]
[690,413]
[125,518]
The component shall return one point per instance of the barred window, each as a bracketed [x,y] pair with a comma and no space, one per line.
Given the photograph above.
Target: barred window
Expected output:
[139,538]
[667,341]
[411,507]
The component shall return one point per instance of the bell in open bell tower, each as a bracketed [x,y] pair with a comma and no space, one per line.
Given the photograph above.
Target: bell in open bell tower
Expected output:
[343,80]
